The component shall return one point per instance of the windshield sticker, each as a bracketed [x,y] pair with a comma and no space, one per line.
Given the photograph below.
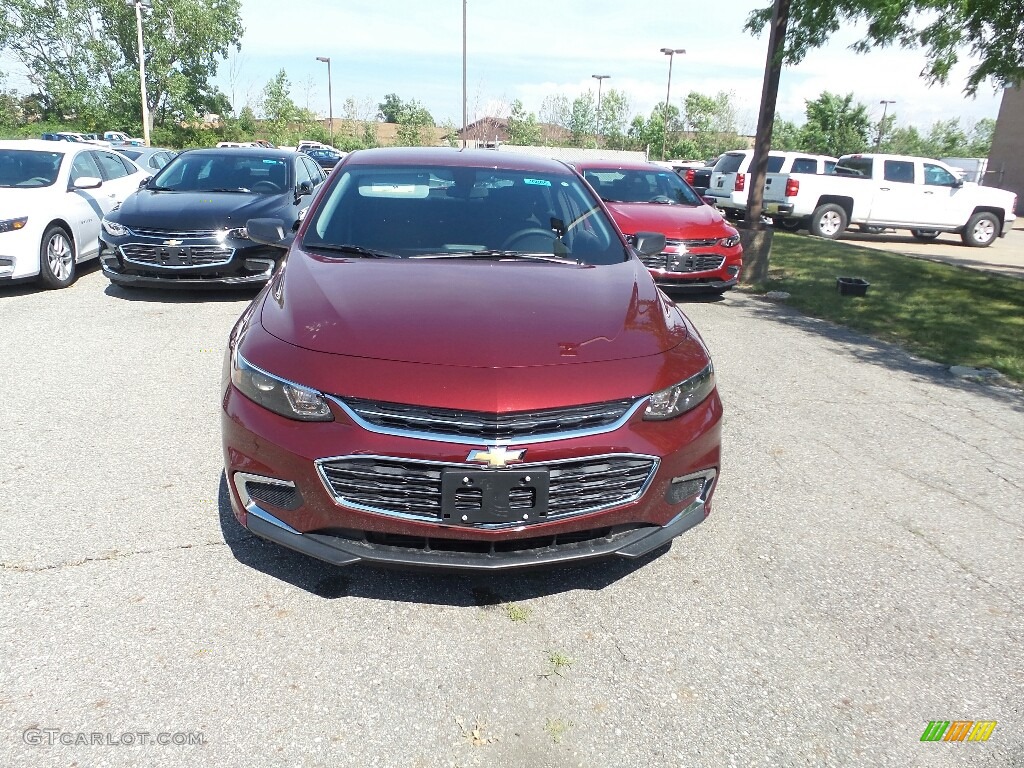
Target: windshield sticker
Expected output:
[272,162]
[537,182]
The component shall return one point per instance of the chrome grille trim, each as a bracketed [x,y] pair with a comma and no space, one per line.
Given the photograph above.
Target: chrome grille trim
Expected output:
[148,254]
[411,488]
[168,234]
[684,262]
[475,433]
[707,243]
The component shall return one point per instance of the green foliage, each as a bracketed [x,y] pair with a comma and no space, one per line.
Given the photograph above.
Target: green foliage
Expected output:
[582,120]
[82,56]
[523,128]
[786,136]
[415,126]
[835,126]
[946,138]
[615,110]
[990,31]
[711,122]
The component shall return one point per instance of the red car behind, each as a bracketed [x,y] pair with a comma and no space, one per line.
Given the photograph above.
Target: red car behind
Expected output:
[461,363]
[702,253]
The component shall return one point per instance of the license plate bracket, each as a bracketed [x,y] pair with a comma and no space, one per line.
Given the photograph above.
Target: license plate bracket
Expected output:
[493,497]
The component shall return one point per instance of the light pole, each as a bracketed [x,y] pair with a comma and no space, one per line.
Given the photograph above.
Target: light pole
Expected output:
[599,78]
[465,115]
[670,52]
[139,5]
[881,123]
[330,98]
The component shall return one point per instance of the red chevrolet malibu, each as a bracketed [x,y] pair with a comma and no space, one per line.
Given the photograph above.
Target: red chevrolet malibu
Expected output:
[462,363]
[703,252]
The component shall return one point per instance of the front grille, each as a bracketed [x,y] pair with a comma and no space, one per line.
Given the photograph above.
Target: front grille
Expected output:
[706,243]
[404,488]
[177,255]
[169,234]
[281,496]
[683,262]
[488,427]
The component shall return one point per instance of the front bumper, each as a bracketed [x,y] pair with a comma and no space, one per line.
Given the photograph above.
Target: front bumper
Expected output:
[279,492]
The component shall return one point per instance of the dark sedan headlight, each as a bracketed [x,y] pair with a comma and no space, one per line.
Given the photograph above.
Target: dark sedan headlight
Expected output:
[730,242]
[683,397]
[114,229]
[238,233]
[285,398]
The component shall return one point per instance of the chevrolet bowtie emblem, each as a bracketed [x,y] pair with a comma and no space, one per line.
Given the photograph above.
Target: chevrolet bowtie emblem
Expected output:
[173,242]
[498,456]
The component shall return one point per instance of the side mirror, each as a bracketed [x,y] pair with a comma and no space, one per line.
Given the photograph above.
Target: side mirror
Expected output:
[145,182]
[304,188]
[650,243]
[269,232]
[958,183]
[712,201]
[87,182]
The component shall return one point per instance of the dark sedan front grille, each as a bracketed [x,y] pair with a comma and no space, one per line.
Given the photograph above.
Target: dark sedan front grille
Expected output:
[684,262]
[177,255]
[471,425]
[412,489]
[169,234]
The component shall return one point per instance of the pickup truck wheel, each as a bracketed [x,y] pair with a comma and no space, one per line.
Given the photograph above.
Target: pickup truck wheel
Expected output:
[925,235]
[981,230]
[828,221]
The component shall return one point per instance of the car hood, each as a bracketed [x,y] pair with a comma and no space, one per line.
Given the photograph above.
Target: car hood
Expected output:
[185,211]
[23,200]
[470,313]
[676,222]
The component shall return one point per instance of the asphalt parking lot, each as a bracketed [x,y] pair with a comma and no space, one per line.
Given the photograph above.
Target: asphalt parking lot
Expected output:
[861,575]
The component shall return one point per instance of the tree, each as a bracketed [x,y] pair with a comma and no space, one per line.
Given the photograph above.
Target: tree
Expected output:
[711,121]
[990,30]
[523,128]
[415,126]
[82,55]
[582,119]
[835,126]
[614,118]
[786,136]
[391,108]
[980,139]
[278,107]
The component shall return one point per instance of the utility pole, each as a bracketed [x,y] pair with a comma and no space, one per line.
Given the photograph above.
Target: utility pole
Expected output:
[881,123]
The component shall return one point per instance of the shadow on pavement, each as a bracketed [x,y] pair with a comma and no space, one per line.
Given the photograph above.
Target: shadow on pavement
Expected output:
[181,295]
[874,352]
[432,587]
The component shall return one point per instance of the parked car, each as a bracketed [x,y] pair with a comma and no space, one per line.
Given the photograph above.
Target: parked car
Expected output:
[325,158]
[150,158]
[120,139]
[728,184]
[702,251]
[461,364]
[895,192]
[52,197]
[84,138]
[186,228]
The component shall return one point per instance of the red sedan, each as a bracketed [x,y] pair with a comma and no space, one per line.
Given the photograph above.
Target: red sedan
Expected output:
[462,363]
[703,252]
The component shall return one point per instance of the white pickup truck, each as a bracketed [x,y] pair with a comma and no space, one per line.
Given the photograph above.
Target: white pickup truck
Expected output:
[731,174]
[895,192]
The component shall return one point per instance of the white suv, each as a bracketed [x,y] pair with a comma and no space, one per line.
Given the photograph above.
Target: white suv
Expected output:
[729,176]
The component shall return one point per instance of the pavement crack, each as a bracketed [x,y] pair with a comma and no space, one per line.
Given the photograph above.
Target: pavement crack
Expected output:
[115,555]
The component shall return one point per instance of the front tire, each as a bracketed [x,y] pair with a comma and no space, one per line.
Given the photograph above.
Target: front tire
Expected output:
[828,221]
[924,235]
[56,258]
[981,231]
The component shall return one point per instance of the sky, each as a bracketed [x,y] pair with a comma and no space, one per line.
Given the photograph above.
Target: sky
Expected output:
[530,49]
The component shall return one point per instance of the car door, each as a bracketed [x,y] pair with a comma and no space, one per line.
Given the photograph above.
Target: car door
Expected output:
[121,177]
[898,200]
[85,207]
[941,191]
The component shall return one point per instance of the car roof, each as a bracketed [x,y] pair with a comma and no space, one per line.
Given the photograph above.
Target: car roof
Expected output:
[620,165]
[444,156]
[262,152]
[44,145]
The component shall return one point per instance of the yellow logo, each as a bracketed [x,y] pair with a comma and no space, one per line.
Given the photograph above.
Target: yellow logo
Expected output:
[497,456]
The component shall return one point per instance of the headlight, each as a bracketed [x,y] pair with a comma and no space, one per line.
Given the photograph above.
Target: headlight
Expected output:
[12,225]
[730,242]
[115,229]
[293,401]
[683,397]
[239,233]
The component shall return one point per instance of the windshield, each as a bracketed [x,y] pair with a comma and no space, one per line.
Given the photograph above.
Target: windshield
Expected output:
[224,172]
[452,212]
[636,186]
[28,168]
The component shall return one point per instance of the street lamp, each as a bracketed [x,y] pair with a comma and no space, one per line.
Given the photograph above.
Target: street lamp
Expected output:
[670,52]
[881,123]
[599,78]
[330,98]
[139,5]
[465,114]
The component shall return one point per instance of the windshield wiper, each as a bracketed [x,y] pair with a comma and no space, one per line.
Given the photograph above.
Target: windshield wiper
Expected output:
[158,188]
[354,250]
[226,189]
[496,253]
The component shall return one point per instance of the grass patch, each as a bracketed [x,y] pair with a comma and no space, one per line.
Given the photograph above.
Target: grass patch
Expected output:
[559,662]
[517,613]
[952,315]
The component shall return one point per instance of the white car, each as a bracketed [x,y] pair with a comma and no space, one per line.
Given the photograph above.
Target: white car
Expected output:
[53,197]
